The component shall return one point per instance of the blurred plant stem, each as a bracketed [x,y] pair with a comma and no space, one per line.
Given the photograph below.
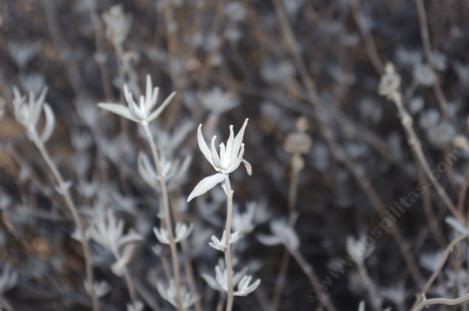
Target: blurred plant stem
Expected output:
[292,196]
[166,215]
[70,205]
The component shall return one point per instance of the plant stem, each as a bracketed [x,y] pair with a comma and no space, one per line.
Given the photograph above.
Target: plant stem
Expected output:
[441,301]
[70,205]
[313,279]
[437,271]
[166,215]
[130,285]
[292,197]
[229,265]
[373,296]
[416,147]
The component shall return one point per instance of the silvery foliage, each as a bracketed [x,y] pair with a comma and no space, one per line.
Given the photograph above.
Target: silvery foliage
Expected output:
[169,294]
[33,82]
[81,141]
[28,111]
[241,282]
[107,231]
[135,306]
[219,244]
[456,225]
[282,233]
[182,232]
[141,113]
[172,141]
[224,162]
[101,288]
[255,213]
[117,24]
[174,171]
[218,101]
[88,189]
[22,52]
[359,249]
[424,75]
[8,279]
[244,223]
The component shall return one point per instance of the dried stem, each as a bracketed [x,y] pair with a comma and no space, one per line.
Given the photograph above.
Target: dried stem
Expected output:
[130,285]
[437,271]
[328,135]
[70,205]
[441,301]
[416,146]
[166,215]
[292,196]
[312,277]
[428,53]
[370,45]
[373,296]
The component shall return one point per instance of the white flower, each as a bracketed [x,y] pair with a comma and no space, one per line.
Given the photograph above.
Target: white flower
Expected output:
[220,245]
[101,288]
[224,162]
[141,113]
[169,294]
[181,233]
[27,113]
[241,282]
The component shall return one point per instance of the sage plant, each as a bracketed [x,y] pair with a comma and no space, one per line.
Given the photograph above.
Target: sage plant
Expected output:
[143,113]
[224,162]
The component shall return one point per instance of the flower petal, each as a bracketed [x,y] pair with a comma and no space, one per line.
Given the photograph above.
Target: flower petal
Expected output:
[203,145]
[239,137]
[205,185]
[160,109]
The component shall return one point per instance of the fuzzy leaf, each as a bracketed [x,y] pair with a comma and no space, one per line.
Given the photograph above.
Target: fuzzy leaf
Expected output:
[205,185]
[117,109]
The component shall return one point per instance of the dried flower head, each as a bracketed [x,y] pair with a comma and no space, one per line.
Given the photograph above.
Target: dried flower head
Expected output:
[390,83]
